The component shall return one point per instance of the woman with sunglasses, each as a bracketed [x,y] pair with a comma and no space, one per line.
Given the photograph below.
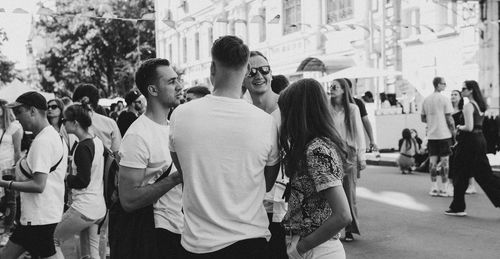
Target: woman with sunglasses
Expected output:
[87,207]
[55,113]
[347,120]
[470,153]
[314,154]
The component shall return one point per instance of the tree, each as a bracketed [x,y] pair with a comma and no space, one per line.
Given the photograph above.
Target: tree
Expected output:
[7,71]
[104,52]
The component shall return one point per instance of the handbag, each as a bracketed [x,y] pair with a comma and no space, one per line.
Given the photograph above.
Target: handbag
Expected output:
[131,234]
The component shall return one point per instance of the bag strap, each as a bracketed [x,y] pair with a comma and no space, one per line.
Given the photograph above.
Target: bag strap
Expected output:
[1,138]
[165,174]
[52,169]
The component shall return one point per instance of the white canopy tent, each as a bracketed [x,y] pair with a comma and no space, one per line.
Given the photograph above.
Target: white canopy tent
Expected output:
[107,102]
[14,89]
[359,72]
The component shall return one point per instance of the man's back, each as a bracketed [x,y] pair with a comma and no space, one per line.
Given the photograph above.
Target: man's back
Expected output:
[223,145]
[106,129]
[435,107]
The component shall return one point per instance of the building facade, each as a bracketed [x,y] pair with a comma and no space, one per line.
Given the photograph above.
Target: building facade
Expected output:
[316,37]
[324,36]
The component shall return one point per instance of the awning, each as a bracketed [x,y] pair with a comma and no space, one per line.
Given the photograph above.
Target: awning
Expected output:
[359,72]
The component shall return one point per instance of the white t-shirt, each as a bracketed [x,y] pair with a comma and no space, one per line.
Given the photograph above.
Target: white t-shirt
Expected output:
[90,200]
[47,207]
[435,107]
[223,145]
[273,200]
[145,146]
[107,130]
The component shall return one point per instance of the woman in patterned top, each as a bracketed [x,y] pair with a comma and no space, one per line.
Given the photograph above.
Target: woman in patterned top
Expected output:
[318,209]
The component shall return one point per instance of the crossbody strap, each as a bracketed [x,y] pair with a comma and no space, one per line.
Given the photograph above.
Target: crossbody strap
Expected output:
[52,169]
[1,138]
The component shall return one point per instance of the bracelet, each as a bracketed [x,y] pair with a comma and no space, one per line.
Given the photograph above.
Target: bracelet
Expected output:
[10,185]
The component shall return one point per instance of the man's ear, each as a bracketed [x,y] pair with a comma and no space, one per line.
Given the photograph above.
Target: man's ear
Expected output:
[152,91]
[212,69]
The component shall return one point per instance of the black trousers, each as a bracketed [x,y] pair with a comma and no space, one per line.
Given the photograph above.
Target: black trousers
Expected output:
[277,243]
[470,160]
[255,248]
[169,243]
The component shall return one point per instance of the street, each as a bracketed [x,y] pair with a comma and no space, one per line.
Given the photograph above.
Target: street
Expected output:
[398,219]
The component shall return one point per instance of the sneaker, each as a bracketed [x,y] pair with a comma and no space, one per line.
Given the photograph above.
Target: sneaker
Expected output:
[471,189]
[434,192]
[443,193]
[4,239]
[455,213]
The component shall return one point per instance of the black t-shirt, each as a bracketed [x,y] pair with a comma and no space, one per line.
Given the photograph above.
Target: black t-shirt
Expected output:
[83,157]
[124,121]
[361,107]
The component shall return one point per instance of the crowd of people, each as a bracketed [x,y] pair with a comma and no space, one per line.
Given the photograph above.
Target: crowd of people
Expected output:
[206,174]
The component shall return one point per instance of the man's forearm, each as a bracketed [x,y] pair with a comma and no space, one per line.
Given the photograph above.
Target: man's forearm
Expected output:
[149,194]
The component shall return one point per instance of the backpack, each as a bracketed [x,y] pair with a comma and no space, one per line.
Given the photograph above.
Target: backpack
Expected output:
[110,177]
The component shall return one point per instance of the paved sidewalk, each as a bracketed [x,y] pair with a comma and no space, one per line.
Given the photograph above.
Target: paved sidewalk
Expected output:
[389,159]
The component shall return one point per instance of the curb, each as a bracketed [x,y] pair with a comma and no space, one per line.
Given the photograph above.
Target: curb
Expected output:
[495,169]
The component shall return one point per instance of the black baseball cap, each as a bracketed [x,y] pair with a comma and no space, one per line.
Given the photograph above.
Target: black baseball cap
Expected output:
[32,98]
[132,96]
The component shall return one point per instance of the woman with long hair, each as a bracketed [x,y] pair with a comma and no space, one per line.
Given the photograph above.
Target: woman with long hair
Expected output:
[55,113]
[87,207]
[318,207]
[11,134]
[470,158]
[347,121]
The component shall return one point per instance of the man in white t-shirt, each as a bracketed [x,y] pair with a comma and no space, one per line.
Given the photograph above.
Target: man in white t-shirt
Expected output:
[144,157]
[227,151]
[436,112]
[258,84]
[103,127]
[42,188]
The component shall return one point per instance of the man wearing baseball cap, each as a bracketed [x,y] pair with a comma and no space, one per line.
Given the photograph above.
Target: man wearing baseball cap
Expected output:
[136,105]
[42,194]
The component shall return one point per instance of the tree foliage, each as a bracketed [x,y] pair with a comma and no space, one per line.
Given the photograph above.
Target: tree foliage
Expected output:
[7,71]
[104,52]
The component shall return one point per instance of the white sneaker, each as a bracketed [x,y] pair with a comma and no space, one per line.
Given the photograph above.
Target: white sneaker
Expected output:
[455,213]
[443,193]
[434,192]
[471,189]
[4,239]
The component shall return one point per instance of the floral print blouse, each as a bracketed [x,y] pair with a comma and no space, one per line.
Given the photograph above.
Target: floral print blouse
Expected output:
[307,209]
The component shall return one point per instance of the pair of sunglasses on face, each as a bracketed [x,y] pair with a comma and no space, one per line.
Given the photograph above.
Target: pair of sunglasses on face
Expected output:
[263,70]
[53,107]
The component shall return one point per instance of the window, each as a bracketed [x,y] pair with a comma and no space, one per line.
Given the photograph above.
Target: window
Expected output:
[184,50]
[210,37]
[339,10]
[170,57]
[197,46]
[291,11]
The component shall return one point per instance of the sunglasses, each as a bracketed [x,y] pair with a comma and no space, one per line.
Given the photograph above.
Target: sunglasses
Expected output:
[53,107]
[333,87]
[264,70]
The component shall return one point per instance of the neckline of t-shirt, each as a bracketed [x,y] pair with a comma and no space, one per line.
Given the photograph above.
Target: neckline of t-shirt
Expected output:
[225,99]
[154,122]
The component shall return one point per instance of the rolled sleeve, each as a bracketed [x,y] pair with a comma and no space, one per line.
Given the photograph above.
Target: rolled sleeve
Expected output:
[325,168]
[134,152]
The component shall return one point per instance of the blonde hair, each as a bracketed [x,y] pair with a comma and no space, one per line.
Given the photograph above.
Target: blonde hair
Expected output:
[7,116]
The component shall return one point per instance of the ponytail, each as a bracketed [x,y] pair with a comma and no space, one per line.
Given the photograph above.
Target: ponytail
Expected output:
[80,111]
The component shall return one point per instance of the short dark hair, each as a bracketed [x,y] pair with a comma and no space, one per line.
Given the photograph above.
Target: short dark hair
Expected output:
[88,90]
[254,53]
[199,90]
[230,51]
[436,81]
[147,75]
[279,83]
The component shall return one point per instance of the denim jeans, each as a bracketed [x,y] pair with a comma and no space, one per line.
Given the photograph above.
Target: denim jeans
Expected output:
[72,223]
